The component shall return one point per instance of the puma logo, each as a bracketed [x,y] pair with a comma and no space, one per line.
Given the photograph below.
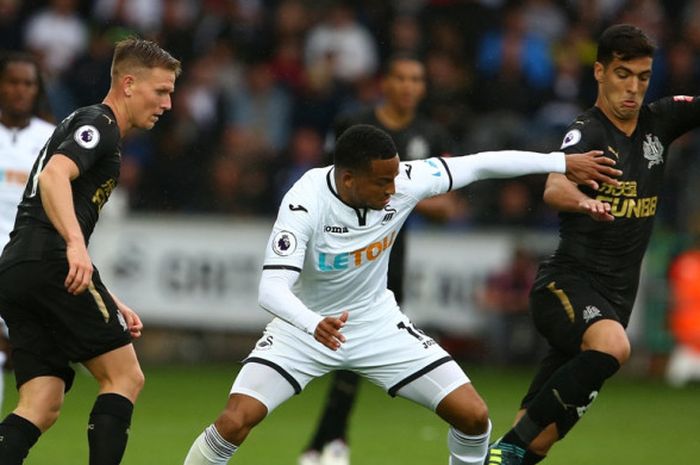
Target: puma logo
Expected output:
[296,208]
[614,152]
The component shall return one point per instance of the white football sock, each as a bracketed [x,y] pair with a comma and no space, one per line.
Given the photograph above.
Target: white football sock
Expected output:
[210,449]
[468,450]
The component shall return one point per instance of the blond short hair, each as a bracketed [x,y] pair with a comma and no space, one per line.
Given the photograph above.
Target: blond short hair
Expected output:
[133,53]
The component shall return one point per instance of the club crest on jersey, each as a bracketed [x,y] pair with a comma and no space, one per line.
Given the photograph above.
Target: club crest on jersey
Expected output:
[264,343]
[390,212]
[653,150]
[284,243]
[87,136]
[571,138]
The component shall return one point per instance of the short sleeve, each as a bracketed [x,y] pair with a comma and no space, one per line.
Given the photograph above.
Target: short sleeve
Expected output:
[582,136]
[424,178]
[286,247]
[90,137]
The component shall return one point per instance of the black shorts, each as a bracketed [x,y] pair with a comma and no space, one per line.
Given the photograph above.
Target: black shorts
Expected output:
[49,327]
[564,307]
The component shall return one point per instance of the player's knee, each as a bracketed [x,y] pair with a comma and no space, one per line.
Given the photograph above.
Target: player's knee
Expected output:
[474,419]
[132,382]
[43,416]
[50,418]
[620,349]
[233,426]
[608,337]
[138,380]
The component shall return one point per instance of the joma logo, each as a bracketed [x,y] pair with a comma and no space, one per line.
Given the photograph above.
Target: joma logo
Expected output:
[336,229]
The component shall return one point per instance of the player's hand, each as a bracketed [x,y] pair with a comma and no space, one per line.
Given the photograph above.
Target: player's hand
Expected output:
[599,211]
[133,322]
[591,168]
[328,331]
[79,268]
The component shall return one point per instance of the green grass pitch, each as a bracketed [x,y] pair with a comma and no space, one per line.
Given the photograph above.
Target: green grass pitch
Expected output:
[633,422]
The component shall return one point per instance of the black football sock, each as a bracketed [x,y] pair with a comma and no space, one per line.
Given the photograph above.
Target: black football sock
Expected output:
[108,430]
[17,436]
[336,412]
[566,396]
[531,458]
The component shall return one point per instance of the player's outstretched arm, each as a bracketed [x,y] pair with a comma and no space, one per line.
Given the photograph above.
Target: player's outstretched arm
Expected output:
[563,195]
[591,168]
[588,168]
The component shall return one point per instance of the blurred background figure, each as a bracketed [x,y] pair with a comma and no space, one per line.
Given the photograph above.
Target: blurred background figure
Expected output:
[684,315]
[22,134]
[57,36]
[505,299]
[342,44]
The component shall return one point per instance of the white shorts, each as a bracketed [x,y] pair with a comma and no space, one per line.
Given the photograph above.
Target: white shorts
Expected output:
[391,353]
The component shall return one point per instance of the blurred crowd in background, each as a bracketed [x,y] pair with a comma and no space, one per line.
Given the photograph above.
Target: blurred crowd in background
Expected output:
[264,80]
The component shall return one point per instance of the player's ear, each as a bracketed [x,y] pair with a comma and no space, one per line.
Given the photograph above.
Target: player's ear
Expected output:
[127,84]
[598,71]
[347,178]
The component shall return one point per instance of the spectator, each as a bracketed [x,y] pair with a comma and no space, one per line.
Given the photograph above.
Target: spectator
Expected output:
[504,298]
[342,43]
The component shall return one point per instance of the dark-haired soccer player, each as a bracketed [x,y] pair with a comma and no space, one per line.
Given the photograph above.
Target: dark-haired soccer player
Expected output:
[22,133]
[51,297]
[416,137]
[324,278]
[583,295]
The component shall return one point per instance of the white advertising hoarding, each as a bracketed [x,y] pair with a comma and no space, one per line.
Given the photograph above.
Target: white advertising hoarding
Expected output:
[204,273]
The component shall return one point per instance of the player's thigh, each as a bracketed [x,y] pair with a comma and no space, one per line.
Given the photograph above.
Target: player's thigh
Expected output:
[289,357]
[35,349]
[446,388]
[263,383]
[397,353]
[563,309]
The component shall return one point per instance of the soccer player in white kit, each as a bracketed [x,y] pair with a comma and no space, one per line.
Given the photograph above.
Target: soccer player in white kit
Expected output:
[22,134]
[324,278]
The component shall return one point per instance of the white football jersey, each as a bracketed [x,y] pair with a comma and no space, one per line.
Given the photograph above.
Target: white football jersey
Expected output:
[342,252]
[19,149]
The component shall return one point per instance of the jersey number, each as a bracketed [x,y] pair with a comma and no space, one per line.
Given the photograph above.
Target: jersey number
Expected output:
[39,167]
[412,330]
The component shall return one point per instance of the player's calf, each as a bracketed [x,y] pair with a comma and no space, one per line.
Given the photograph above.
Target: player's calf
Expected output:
[108,428]
[562,401]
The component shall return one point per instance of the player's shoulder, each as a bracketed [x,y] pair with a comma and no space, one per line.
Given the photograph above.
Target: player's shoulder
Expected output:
[91,126]
[98,115]
[311,184]
[304,200]
[589,125]
[414,170]
[670,103]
